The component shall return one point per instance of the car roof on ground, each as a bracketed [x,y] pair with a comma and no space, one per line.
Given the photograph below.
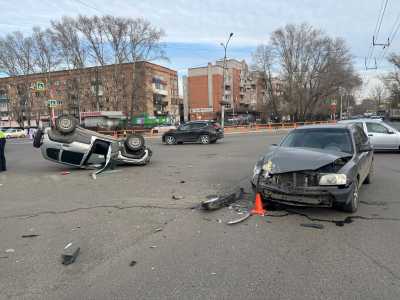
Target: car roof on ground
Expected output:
[326,126]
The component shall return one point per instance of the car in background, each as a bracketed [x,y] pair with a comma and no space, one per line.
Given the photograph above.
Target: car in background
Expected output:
[69,144]
[204,132]
[15,133]
[382,135]
[319,165]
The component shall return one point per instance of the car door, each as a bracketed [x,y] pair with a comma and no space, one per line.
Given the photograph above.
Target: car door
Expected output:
[182,134]
[382,137]
[198,129]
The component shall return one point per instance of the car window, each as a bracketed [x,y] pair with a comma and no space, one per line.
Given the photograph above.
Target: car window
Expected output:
[198,125]
[321,138]
[185,127]
[376,128]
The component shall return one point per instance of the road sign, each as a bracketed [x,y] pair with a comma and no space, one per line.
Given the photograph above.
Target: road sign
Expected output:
[53,103]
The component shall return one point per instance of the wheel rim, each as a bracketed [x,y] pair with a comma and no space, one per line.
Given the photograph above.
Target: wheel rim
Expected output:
[204,139]
[170,140]
[134,142]
[65,123]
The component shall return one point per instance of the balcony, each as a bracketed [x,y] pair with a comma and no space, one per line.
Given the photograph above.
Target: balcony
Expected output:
[3,99]
[159,91]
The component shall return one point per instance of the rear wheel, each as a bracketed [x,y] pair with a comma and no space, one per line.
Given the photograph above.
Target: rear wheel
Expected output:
[66,124]
[134,142]
[205,139]
[352,206]
[170,140]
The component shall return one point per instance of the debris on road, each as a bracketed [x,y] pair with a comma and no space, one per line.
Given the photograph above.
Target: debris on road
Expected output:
[132,263]
[10,250]
[65,173]
[158,229]
[183,181]
[70,253]
[153,247]
[214,202]
[312,225]
[29,235]
[241,219]
[177,197]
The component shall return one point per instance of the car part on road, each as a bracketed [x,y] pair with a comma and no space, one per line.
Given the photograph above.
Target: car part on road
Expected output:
[132,263]
[312,225]
[29,235]
[177,197]
[70,253]
[241,219]
[66,124]
[218,202]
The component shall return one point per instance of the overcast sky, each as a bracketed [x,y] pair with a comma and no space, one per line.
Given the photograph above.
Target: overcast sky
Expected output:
[195,28]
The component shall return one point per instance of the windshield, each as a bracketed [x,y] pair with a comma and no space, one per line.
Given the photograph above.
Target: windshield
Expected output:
[328,139]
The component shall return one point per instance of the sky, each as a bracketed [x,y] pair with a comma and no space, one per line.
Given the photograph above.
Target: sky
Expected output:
[194,29]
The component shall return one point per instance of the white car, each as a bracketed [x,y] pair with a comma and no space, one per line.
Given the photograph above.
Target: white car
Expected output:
[15,133]
[381,135]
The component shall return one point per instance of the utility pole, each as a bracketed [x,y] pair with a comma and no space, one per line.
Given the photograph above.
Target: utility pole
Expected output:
[223,102]
[341,106]
[97,89]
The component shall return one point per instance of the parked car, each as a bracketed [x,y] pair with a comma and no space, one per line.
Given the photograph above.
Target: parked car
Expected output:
[382,135]
[73,145]
[15,133]
[205,132]
[320,165]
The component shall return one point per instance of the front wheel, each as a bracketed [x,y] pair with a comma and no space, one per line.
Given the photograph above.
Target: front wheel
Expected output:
[352,206]
[170,140]
[205,139]
[368,179]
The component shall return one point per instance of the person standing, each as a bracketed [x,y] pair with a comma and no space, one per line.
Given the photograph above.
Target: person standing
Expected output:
[2,148]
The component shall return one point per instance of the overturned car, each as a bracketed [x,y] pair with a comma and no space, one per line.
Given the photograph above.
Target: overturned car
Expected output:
[322,165]
[69,144]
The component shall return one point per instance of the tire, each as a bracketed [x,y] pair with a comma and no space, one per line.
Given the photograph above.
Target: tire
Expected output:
[204,139]
[134,142]
[170,140]
[368,179]
[37,140]
[352,206]
[66,124]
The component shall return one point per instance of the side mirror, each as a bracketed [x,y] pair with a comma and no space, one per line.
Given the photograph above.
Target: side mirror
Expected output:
[390,132]
[365,148]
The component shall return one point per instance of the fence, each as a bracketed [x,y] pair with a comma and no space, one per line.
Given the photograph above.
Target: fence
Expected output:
[227,129]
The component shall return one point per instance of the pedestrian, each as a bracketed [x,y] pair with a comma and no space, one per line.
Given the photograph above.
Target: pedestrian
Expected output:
[2,148]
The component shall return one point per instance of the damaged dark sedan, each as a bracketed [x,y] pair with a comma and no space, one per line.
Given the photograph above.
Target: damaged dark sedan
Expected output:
[322,165]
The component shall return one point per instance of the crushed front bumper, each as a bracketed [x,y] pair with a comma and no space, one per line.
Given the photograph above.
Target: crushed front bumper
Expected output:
[321,196]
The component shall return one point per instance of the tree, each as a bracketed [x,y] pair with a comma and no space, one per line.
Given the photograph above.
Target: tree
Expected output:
[264,62]
[17,58]
[378,94]
[392,81]
[312,67]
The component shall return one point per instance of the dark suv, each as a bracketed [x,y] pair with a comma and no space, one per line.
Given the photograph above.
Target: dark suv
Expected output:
[205,132]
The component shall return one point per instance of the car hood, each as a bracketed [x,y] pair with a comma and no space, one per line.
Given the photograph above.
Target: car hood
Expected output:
[289,159]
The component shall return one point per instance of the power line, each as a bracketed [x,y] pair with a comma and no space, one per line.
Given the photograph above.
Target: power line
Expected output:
[89,6]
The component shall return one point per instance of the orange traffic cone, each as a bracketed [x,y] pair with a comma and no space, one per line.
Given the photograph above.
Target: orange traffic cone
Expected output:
[258,208]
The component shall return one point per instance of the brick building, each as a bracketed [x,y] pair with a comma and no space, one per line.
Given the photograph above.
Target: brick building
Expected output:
[243,89]
[130,88]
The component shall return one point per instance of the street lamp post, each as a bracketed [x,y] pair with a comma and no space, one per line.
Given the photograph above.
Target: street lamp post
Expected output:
[225,46]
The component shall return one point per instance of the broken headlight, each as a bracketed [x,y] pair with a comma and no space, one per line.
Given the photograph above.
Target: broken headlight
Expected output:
[333,179]
[256,170]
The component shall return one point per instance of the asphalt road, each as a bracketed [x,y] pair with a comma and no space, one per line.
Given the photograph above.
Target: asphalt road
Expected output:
[185,253]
